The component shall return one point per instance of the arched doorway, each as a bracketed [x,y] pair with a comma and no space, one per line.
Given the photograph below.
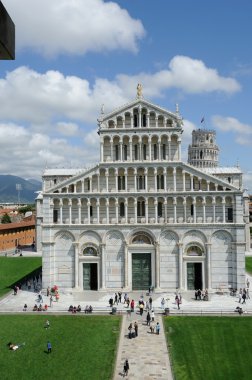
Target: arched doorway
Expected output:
[194,267]
[90,267]
[142,265]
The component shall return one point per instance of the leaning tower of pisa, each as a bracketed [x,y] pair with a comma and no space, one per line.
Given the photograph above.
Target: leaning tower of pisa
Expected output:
[203,152]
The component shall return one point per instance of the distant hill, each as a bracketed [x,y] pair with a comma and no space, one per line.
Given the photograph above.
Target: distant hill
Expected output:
[9,192]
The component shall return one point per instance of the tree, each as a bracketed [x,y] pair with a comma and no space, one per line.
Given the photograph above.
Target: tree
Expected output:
[6,219]
[24,209]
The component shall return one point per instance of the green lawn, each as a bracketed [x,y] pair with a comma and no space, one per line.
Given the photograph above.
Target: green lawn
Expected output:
[213,348]
[12,269]
[248,261]
[83,347]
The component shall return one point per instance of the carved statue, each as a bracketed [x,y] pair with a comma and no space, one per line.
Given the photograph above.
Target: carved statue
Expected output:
[139,90]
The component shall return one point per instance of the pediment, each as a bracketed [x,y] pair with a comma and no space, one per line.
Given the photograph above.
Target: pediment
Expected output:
[139,103]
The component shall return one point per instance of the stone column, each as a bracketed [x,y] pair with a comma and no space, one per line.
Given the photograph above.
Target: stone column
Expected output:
[159,149]
[107,175]
[91,184]
[165,209]
[156,210]
[126,209]
[208,185]
[208,257]
[135,179]
[204,209]
[149,142]
[148,120]
[169,148]
[98,181]
[130,145]
[184,204]
[126,274]
[103,265]
[183,174]
[82,185]
[155,179]
[76,264]
[135,209]
[174,179]
[116,206]
[79,210]
[61,214]
[179,149]
[156,122]
[123,122]
[214,211]
[111,148]
[126,178]
[98,210]
[88,207]
[191,178]
[146,178]
[70,210]
[107,210]
[121,151]
[131,120]
[157,282]
[180,246]
[140,117]
[194,210]
[146,210]
[165,179]
[116,180]
[175,209]
[223,209]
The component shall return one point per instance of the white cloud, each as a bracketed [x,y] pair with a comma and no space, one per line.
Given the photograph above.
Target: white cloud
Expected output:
[73,27]
[184,73]
[24,153]
[67,129]
[243,132]
[40,97]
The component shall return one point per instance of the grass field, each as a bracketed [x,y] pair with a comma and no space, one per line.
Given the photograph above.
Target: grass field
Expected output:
[249,264]
[12,269]
[83,347]
[210,348]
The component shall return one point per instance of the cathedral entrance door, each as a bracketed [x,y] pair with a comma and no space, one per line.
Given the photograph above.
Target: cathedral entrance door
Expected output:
[194,276]
[90,280]
[141,271]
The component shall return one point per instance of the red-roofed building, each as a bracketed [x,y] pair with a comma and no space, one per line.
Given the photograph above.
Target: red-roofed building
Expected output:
[19,233]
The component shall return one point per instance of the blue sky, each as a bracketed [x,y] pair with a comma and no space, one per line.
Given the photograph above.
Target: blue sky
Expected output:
[72,56]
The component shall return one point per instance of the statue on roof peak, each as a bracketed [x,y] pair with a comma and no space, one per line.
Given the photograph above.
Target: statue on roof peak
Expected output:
[139,91]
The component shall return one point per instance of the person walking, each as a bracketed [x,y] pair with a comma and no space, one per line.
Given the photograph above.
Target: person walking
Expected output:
[150,302]
[152,316]
[126,368]
[162,303]
[136,328]
[48,291]
[157,328]
[130,328]
[49,347]
[148,318]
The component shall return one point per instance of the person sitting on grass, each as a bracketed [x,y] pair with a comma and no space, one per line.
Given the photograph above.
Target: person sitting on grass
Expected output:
[47,324]
[14,347]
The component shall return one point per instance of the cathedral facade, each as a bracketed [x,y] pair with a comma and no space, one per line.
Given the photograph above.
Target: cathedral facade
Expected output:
[142,217]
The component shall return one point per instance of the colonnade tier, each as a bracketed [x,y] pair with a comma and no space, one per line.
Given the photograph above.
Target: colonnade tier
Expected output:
[142,209]
[134,179]
[141,117]
[133,147]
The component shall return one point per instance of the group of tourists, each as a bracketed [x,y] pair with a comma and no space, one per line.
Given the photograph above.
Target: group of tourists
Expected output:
[201,295]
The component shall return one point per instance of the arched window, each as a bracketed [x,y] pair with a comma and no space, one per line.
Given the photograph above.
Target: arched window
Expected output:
[160,206]
[135,120]
[140,208]
[144,152]
[194,250]
[155,151]
[141,238]
[122,209]
[144,120]
[90,251]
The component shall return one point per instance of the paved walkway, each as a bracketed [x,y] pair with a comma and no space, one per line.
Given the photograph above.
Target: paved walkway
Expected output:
[147,353]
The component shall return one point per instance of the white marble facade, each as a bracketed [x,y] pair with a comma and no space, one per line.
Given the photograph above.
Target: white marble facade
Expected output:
[142,217]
